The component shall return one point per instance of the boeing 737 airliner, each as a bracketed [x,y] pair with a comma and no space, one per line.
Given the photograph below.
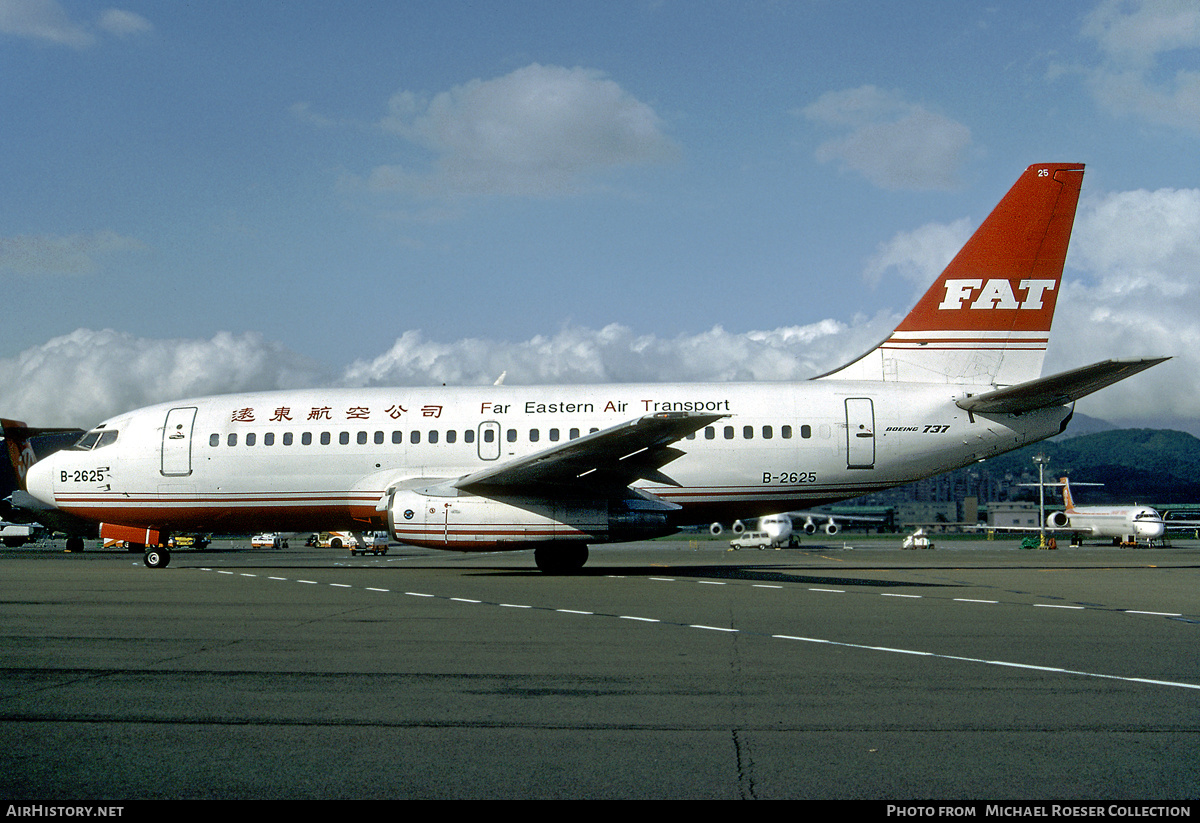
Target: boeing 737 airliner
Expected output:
[557,468]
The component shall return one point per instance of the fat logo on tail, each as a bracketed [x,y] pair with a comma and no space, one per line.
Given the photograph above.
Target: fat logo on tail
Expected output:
[986,320]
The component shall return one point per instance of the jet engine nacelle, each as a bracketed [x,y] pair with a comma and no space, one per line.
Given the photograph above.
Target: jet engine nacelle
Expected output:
[809,526]
[473,523]
[1057,520]
[738,527]
[831,528]
[715,529]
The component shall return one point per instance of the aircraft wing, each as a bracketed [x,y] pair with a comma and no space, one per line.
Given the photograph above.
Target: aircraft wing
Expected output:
[849,518]
[606,460]
[1057,389]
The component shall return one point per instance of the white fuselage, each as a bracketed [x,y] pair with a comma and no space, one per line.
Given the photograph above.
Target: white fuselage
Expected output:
[1132,523]
[327,459]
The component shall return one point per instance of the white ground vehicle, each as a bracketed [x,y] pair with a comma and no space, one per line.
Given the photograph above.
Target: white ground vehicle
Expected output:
[373,543]
[755,540]
[917,540]
[17,534]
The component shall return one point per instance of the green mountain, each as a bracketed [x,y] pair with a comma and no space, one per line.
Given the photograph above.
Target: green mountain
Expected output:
[1135,465]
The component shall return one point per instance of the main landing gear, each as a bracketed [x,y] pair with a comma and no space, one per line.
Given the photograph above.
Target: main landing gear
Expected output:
[560,558]
[155,556]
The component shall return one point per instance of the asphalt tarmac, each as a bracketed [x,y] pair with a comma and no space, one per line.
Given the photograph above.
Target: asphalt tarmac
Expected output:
[975,671]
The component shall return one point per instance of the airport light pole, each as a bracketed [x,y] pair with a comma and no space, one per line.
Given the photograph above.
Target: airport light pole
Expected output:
[1041,460]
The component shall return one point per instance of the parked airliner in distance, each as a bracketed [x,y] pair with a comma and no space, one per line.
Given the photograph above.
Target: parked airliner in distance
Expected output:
[1126,524]
[781,527]
[558,468]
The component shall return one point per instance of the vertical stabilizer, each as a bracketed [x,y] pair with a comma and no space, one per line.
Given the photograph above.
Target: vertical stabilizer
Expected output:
[986,320]
[1068,503]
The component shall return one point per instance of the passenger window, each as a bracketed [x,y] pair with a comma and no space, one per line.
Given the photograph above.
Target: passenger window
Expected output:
[433,436]
[414,437]
[344,438]
[534,435]
[306,439]
[785,432]
[378,438]
[362,438]
[250,438]
[554,435]
[710,433]
[214,440]
[729,432]
[469,436]
[325,438]
[511,435]
[574,433]
[232,440]
[451,436]
[397,437]
[269,439]
[768,432]
[287,438]
[748,432]
[806,432]
[489,436]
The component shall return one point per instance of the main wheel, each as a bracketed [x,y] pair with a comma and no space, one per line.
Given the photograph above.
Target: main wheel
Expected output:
[157,558]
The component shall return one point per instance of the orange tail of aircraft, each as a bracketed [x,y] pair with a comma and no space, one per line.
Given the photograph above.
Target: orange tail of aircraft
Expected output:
[1068,503]
[986,320]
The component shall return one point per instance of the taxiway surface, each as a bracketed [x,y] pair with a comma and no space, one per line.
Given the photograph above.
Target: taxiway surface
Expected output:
[666,670]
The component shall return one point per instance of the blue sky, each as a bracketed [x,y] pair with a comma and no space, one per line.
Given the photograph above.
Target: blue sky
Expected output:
[223,196]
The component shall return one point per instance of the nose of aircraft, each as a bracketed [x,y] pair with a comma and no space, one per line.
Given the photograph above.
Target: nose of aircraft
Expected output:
[1150,529]
[39,481]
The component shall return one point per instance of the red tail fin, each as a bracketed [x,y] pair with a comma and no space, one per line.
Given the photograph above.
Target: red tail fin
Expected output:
[986,319]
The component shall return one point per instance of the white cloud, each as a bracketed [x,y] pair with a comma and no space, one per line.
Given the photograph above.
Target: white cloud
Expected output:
[124,23]
[1139,256]
[893,143]
[42,20]
[74,254]
[920,255]
[616,354]
[47,21]
[541,130]
[1131,291]
[84,377]
[1137,38]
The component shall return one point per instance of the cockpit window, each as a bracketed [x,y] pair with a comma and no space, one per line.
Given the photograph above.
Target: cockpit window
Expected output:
[97,438]
[86,442]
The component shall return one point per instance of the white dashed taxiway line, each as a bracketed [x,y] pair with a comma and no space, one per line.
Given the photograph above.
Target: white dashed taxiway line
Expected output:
[796,638]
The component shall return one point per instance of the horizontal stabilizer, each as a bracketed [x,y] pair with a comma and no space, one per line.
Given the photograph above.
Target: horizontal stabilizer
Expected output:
[1057,389]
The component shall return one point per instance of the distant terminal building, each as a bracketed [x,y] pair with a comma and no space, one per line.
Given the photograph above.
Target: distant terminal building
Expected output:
[912,514]
[1013,515]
